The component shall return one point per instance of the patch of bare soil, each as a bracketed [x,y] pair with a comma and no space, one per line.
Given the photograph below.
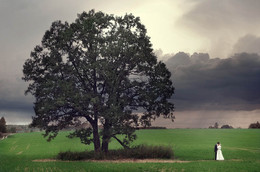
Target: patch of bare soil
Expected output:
[141,161]
[131,161]
[119,161]
[45,160]
[5,135]
[19,153]
[123,161]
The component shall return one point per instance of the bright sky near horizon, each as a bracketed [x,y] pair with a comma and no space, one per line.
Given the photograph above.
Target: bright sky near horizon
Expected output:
[217,28]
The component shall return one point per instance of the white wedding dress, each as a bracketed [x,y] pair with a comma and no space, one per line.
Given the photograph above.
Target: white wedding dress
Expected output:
[219,153]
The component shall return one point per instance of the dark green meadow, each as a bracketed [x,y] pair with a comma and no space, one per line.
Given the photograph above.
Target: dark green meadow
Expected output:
[240,147]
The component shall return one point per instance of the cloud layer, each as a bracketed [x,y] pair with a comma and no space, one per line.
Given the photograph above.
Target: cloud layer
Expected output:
[216,84]
[218,27]
[248,43]
[220,23]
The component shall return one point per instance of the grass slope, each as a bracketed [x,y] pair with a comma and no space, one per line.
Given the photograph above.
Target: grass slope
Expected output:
[240,147]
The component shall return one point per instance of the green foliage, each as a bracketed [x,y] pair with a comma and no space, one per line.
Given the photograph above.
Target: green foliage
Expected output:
[146,152]
[98,68]
[137,152]
[76,156]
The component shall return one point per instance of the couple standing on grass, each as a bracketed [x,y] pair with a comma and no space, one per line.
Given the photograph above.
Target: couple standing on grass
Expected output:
[218,152]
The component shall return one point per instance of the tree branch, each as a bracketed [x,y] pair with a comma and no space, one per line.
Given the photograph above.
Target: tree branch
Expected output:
[82,80]
[121,143]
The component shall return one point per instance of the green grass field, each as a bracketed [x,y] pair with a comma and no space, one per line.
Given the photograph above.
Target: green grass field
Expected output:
[240,147]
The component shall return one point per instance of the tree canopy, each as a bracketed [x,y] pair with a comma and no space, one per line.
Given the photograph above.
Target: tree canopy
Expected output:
[101,69]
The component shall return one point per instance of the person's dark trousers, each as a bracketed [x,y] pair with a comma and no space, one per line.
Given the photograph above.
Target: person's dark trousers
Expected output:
[215,150]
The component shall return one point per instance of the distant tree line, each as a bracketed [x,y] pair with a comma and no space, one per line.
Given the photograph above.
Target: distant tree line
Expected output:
[216,126]
[226,126]
[152,127]
[254,125]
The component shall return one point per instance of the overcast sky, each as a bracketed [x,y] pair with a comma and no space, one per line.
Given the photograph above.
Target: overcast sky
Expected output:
[211,47]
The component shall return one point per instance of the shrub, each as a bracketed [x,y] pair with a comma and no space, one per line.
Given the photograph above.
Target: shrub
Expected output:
[137,152]
[144,151]
[75,155]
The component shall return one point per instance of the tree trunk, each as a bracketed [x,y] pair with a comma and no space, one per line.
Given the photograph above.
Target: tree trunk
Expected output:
[96,138]
[121,143]
[105,142]
[106,137]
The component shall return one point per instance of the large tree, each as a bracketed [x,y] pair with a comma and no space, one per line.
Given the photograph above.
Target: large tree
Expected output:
[101,69]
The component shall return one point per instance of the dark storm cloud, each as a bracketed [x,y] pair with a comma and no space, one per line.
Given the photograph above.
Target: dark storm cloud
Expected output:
[216,84]
[16,105]
[12,96]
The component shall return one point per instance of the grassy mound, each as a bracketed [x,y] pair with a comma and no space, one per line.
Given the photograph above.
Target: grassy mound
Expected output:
[137,152]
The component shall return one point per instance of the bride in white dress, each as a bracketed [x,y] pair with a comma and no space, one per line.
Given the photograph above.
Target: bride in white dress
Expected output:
[219,153]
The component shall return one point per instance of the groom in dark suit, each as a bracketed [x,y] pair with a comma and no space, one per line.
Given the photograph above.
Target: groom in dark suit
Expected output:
[215,150]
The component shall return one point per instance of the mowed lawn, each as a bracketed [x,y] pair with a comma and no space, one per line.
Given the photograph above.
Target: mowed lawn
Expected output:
[240,147]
